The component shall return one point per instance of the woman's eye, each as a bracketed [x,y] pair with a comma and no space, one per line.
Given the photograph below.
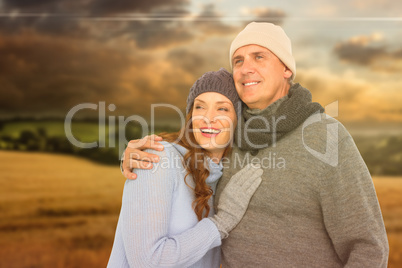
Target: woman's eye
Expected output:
[198,107]
[224,109]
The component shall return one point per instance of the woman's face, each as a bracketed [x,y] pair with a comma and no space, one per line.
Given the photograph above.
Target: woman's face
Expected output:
[214,120]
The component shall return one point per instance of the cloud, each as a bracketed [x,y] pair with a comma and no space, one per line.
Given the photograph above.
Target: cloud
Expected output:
[91,7]
[46,73]
[390,7]
[154,34]
[31,6]
[50,63]
[370,51]
[110,7]
[323,9]
[81,18]
[209,22]
[138,21]
[359,100]
[185,59]
[157,34]
[264,14]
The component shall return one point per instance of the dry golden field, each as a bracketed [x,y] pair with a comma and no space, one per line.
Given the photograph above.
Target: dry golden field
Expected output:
[61,211]
[56,210]
[389,192]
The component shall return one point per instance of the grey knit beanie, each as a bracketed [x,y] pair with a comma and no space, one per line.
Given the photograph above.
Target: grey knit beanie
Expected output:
[267,35]
[220,82]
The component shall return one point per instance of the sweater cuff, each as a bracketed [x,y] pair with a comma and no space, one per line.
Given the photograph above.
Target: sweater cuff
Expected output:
[214,232]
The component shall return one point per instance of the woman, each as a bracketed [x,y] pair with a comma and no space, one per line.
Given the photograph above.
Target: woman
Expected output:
[166,218]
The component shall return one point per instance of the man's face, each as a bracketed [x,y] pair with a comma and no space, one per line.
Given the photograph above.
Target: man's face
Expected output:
[260,77]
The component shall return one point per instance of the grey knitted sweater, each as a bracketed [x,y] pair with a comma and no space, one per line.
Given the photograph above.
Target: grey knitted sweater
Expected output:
[316,205]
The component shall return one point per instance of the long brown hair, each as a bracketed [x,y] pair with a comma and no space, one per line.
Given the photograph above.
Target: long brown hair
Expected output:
[194,162]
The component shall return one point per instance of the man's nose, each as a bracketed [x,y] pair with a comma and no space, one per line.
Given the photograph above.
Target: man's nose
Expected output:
[247,67]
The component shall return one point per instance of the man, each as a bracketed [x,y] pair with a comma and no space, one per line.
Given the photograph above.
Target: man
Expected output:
[316,205]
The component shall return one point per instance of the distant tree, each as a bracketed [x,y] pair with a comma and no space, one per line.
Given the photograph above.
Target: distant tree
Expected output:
[8,141]
[26,136]
[59,144]
[42,132]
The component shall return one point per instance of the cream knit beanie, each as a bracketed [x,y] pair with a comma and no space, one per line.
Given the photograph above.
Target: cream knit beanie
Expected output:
[267,35]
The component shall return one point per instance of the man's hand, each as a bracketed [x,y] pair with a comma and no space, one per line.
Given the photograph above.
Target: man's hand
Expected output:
[235,197]
[134,157]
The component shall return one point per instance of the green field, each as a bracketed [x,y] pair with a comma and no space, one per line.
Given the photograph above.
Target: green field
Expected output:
[382,153]
[82,131]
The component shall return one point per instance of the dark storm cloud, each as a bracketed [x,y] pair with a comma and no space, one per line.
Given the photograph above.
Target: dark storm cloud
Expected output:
[187,60]
[370,52]
[74,19]
[54,61]
[31,6]
[45,75]
[40,74]
[110,7]
[94,7]
[358,53]
[156,34]
[55,26]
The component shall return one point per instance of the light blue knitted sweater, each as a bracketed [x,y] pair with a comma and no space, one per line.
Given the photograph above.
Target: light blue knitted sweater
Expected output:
[157,226]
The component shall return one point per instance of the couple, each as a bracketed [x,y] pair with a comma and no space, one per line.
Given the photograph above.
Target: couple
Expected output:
[308,213]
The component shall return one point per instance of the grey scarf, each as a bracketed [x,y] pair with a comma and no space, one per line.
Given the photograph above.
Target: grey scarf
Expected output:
[260,131]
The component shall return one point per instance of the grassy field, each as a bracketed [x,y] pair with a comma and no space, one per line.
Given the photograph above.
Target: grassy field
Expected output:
[389,192]
[84,131]
[56,211]
[61,211]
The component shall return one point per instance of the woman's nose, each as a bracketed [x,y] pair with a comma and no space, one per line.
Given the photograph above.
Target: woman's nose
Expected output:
[210,116]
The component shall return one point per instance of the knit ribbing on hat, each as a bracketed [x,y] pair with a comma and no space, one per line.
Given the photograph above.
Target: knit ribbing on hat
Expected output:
[220,82]
[267,35]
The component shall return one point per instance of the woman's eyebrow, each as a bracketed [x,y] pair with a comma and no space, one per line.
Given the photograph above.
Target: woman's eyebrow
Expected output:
[219,102]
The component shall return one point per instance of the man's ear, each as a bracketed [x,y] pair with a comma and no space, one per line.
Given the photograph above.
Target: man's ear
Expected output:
[287,73]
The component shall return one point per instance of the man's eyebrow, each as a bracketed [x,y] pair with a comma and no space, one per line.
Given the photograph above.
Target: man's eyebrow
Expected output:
[259,52]
[252,53]
[237,57]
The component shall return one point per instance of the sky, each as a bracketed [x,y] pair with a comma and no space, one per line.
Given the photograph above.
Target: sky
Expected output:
[55,55]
